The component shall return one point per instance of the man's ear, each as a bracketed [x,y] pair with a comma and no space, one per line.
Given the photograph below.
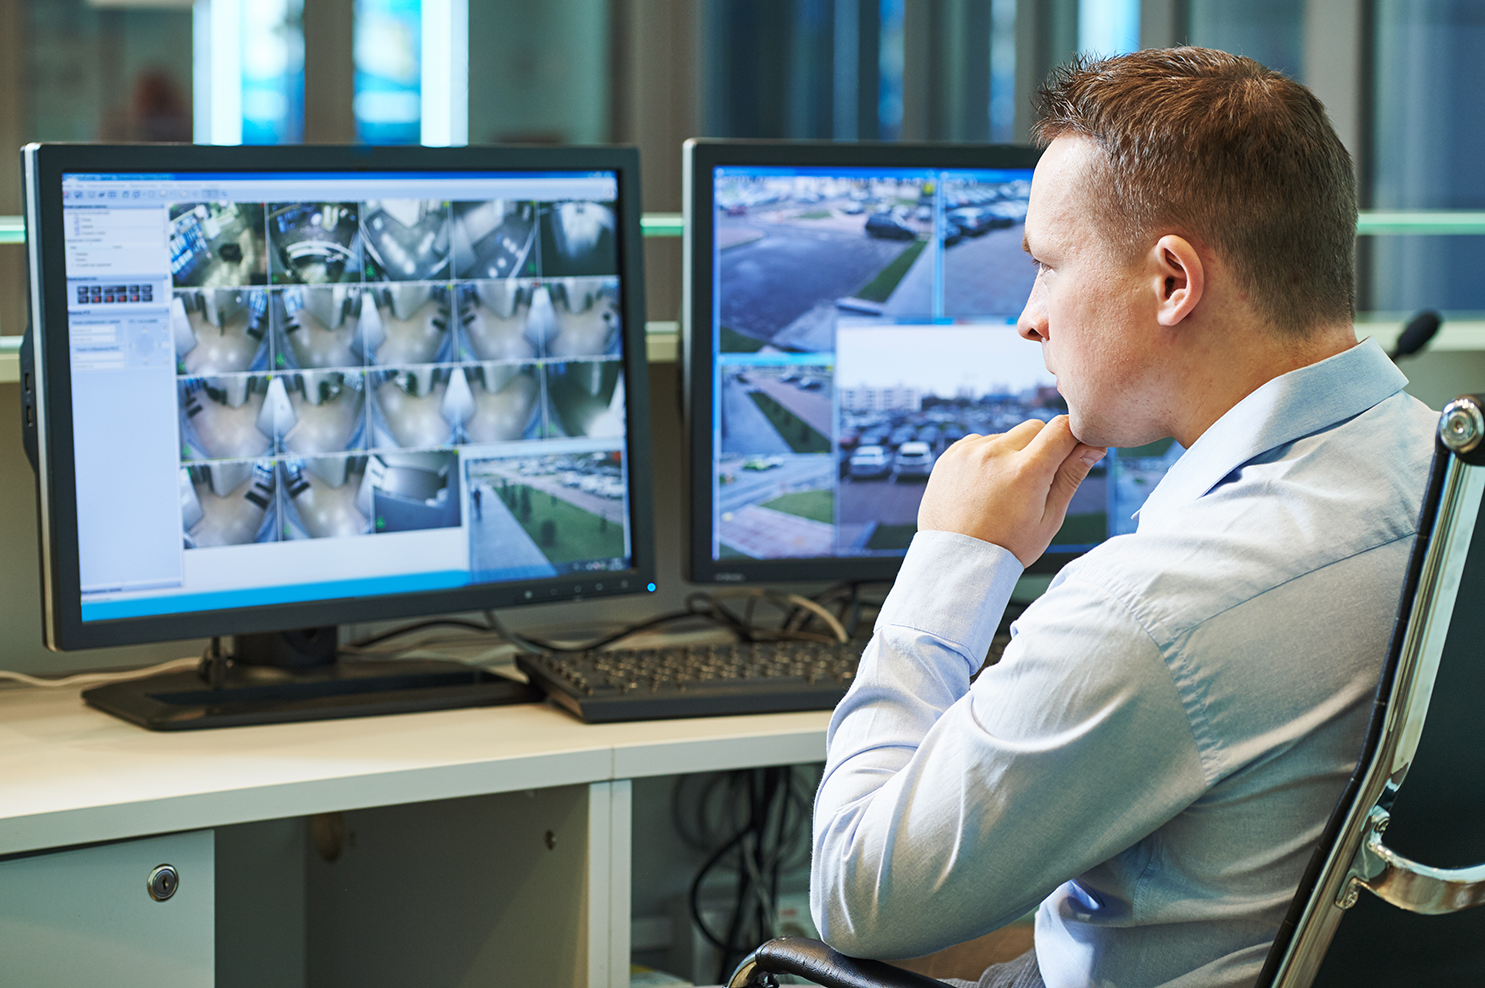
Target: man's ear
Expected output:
[1180,279]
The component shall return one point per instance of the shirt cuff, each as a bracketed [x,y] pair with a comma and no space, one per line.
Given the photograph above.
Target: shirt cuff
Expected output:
[954,587]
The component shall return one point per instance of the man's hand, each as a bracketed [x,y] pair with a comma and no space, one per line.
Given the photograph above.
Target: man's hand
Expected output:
[1011,490]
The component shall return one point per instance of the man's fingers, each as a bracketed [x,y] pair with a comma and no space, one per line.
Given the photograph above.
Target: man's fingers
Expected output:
[1022,435]
[1052,444]
[1073,471]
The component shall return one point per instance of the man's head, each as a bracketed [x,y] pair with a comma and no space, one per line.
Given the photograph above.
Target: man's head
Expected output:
[1227,153]
[1175,179]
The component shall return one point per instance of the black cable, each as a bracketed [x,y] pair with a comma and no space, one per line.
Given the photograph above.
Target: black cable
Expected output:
[762,816]
[618,635]
[419,626]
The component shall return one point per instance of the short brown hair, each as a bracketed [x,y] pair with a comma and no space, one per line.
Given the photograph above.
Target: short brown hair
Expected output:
[1220,148]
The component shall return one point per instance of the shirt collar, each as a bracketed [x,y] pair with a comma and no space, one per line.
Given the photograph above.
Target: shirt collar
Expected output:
[1286,408]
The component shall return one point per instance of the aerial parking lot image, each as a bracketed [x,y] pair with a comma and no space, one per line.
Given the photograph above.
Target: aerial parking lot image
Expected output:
[986,272]
[535,516]
[771,507]
[906,394]
[773,409]
[1133,474]
[792,251]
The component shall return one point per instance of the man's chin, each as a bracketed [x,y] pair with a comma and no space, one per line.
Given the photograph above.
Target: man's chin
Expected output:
[1105,434]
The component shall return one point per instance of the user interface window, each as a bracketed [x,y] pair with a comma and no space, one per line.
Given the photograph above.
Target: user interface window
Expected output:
[293,387]
[863,320]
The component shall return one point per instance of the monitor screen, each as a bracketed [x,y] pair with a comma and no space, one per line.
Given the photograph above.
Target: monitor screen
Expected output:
[852,312]
[294,386]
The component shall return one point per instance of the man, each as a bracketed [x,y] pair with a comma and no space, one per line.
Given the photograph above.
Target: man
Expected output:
[1156,753]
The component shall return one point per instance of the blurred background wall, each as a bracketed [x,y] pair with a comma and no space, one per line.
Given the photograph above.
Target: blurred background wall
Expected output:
[1402,80]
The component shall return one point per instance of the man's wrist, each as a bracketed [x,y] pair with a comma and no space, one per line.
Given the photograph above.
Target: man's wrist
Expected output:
[954,587]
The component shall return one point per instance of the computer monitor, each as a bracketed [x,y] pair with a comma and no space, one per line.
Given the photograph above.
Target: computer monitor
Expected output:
[288,388]
[851,312]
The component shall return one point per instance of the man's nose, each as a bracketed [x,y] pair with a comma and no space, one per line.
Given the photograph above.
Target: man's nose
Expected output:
[1032,325]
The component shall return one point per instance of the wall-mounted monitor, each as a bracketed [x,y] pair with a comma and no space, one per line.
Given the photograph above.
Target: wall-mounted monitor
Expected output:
[850,312]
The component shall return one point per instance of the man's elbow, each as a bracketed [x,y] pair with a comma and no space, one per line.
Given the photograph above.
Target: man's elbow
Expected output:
[862,921]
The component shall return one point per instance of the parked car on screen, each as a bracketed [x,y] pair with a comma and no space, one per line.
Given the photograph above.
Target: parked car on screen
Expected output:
[869,461]
[1008,212]
[972,218]
[914,459]
[888,227]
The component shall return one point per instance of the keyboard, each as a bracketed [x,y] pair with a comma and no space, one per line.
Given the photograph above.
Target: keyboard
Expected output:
[696,680]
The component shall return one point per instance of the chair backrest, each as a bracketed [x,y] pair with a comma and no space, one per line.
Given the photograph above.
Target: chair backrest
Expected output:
[1426,664]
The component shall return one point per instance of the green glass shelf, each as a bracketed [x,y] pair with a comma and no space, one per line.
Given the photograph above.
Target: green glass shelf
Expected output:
[1369,224]
[662,224]
[1378,223]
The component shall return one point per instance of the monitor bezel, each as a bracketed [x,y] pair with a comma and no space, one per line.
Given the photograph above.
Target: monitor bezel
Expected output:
[700,158]
[44,165]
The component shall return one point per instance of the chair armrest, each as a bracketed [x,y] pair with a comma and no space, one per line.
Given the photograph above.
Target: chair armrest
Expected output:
[819,963]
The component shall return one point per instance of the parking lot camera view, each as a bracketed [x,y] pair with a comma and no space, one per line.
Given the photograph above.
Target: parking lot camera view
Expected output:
[864,322]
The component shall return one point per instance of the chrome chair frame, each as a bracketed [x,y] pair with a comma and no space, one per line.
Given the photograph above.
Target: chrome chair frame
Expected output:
[1351,855]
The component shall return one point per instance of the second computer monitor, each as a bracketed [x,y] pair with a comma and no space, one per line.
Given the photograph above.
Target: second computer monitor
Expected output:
[851,313]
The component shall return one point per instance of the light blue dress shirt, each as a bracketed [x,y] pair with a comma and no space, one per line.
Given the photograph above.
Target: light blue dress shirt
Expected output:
[1156,754]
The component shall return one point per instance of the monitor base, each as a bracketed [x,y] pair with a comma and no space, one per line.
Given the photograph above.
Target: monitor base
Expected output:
[184,701]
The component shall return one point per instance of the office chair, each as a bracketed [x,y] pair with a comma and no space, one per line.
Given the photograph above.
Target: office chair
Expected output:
[1398,946]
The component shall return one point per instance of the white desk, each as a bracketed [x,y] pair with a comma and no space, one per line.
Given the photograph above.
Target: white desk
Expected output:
[70,775]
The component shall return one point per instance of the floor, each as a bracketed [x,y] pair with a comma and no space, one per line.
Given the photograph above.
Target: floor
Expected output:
[327,427]
[503,414]
[313,344]
[414,421]
[230,520]
[416,339]
[220,350]
[492,337]
[328,512]
[224,432]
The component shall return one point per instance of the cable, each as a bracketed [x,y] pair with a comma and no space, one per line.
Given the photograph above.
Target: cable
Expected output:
[419,626]
[529,646]
[83,678]
[792,598]
[765,818]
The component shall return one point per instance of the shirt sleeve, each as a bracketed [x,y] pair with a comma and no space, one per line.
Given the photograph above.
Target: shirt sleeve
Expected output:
[947,810]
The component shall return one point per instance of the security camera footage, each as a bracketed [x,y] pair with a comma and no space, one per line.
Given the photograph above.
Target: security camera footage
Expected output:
[864,322]
[369,369]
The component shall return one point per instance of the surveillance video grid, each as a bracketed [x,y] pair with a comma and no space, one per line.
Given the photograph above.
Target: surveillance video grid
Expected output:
[340,364]
[865,322]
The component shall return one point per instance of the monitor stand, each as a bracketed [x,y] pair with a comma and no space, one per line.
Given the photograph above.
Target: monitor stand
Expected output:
[277,678]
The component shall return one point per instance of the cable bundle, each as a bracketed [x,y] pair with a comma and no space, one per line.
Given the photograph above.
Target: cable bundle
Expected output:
[756,823]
